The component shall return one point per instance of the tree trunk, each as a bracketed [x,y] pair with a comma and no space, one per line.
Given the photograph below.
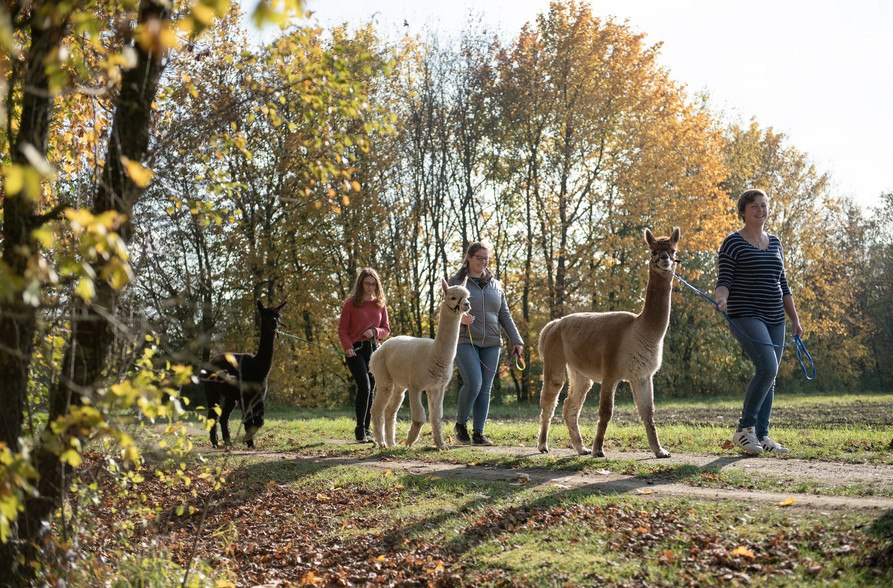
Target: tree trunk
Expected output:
[92,334]
[20,218]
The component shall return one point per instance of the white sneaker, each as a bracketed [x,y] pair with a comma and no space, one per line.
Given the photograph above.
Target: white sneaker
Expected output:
[773,447]
[747,440]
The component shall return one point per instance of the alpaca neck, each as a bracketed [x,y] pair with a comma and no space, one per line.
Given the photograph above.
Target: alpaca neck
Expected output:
[447,330]
[263,360]
[655,315]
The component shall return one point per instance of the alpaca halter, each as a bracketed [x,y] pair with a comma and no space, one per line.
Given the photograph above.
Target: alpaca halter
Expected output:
[458,304]
[657,257]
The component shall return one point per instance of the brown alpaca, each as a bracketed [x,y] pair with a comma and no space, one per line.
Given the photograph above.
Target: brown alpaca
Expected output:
[609,347]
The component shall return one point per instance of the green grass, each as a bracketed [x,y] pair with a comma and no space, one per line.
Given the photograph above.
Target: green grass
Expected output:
[684,427]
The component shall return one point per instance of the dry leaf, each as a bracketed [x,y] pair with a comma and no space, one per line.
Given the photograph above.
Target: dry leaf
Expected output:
[743,552]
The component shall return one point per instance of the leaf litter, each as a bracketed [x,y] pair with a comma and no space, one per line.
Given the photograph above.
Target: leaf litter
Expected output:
[273,533]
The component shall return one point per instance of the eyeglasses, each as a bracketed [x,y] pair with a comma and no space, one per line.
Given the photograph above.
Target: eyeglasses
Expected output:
[482,258]
[372,284]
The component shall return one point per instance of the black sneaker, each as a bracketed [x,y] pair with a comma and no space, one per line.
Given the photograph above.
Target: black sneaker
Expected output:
[359,434]
[480,439]
[462,434]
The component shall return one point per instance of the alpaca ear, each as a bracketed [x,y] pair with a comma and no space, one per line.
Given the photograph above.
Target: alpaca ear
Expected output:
[676,235]
[465,282]
[444,285]
[260,307]
[649,237]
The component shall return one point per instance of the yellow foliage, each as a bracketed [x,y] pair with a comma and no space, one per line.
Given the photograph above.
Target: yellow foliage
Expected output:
[156,37]
[85,289]
[141,176]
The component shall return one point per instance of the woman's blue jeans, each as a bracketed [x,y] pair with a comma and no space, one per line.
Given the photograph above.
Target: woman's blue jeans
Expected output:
[760,392]
[477,366]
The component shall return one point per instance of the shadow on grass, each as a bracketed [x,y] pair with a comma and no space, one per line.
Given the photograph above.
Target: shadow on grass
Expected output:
[488,501]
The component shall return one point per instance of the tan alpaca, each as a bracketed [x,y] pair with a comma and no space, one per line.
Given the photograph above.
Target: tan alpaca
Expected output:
[417,364]
[609,347]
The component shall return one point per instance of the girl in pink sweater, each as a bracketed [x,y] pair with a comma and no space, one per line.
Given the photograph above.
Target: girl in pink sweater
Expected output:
[363,323]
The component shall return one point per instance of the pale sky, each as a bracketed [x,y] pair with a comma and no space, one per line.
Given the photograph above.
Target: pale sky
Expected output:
[820,71]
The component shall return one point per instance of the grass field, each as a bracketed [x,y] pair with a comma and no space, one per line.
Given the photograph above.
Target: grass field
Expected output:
[311,507]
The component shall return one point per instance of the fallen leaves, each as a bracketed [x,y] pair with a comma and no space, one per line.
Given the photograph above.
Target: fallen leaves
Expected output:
[277,533]
[273,533]
[744,552]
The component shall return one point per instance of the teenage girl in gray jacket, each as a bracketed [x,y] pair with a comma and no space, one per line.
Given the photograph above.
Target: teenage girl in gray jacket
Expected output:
[477,354]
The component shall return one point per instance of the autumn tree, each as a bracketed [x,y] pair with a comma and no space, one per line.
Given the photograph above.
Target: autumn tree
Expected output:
[57,49]
[875,294]
[810,221]
[602,145]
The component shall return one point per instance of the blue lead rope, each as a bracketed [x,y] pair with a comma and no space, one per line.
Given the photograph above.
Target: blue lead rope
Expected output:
[799,346]
[801,351]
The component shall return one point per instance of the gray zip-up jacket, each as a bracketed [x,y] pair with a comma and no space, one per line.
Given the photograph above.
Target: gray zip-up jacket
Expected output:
[490,310]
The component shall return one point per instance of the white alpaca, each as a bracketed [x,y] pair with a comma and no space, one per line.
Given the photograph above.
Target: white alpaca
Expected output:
[416,364]
[609,347]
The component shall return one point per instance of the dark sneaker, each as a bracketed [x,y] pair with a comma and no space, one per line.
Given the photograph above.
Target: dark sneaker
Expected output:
[462,434]
[480,439]
[359,434]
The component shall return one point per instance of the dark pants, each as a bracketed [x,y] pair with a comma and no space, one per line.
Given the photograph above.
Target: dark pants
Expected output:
[359,369]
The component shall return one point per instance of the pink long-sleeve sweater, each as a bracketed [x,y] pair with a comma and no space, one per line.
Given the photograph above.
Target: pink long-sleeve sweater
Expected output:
[357,319]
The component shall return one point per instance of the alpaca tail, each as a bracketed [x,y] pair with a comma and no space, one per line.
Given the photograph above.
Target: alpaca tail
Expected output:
[376,358]
[545,334]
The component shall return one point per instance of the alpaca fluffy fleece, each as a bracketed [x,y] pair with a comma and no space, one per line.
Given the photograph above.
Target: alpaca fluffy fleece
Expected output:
[416,364]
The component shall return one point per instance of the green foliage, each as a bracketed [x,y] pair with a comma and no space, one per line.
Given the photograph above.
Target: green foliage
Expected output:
[16,482]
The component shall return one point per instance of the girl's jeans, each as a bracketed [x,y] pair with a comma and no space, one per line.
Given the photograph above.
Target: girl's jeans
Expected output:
[761,390]
[474,396]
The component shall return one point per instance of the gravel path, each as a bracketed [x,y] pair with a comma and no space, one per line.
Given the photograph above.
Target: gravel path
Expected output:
[873,477]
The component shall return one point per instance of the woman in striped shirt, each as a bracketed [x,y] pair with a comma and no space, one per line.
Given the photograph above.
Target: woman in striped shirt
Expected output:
[753,288]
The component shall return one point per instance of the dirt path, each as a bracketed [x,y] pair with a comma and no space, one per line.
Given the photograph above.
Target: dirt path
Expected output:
[873,477]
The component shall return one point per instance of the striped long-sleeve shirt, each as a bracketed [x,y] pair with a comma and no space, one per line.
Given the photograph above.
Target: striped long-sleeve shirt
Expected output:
[755,279]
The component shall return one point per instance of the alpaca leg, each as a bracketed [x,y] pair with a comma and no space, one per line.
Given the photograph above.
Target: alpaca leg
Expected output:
[605,412]
[384,390]
[435,408]
[643,395]
[229,405]
[418,416]
[213,417]
[254,421]
[390,420]
[577,388]
[553,380]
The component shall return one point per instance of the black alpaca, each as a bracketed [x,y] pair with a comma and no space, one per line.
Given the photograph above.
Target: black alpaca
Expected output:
[240,379]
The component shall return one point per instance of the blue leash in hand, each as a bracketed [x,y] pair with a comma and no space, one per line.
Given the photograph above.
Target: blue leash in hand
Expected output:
[800,347]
